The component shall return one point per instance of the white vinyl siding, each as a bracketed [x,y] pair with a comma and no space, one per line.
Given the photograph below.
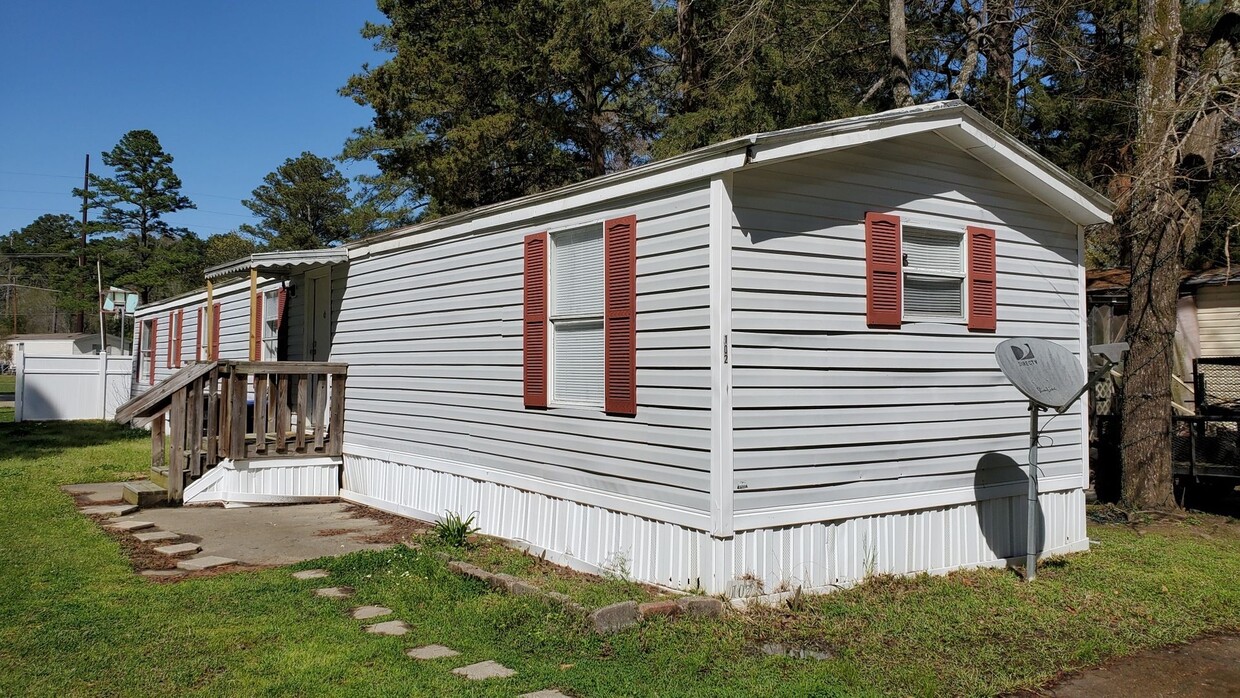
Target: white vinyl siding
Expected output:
[577,317]
[829,410]
[1218,320]
[433,335]
[933,274]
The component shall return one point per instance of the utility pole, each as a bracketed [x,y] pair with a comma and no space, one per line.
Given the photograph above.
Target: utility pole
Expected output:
[79,322]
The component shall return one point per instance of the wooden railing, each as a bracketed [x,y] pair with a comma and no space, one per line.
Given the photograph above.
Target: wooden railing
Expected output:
[247,410]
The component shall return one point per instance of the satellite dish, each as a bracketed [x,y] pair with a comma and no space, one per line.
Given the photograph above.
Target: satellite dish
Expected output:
[1048,374]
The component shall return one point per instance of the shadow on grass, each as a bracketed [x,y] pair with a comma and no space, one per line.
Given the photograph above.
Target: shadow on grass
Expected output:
[33,440]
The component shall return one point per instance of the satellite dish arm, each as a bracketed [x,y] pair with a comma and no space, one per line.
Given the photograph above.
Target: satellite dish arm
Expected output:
[1093,380]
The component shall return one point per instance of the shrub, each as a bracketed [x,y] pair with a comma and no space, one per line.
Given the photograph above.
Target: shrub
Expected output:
[453,530]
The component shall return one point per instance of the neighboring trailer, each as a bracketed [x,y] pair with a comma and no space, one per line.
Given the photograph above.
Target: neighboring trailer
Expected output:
[790,428]
[171,333]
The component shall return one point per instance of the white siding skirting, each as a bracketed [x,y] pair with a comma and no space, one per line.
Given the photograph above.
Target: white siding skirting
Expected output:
[269,481]
[815,556]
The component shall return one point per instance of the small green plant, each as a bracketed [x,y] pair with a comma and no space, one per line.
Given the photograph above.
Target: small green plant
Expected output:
[453,530]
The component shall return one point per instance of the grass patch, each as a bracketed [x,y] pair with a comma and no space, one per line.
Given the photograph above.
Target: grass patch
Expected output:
[588,590]
[8,383]
[6,414]
[74,620]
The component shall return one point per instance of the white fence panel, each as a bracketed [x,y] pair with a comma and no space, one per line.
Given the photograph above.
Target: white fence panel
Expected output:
[70,387]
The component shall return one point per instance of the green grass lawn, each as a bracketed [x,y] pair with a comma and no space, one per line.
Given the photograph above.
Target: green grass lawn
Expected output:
[74,620]
[8,383]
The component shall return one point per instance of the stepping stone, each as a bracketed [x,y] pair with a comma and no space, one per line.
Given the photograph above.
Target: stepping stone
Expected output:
[367,612]
[392,627]
[432,652]
[543,694]
[310,574]
[111,509]
[152,536]
[205,562]
[179,549]
[162,573]
[334,592]
[131,525]
[484,670]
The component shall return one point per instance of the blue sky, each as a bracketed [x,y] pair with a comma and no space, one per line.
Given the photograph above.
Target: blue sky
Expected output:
[230,88]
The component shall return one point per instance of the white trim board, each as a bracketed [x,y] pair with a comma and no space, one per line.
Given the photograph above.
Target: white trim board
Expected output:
[722,475]
[779,517]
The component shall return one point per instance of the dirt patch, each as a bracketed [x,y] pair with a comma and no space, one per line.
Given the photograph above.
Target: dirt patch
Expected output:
[1206,667]
[395,528]
[328,532]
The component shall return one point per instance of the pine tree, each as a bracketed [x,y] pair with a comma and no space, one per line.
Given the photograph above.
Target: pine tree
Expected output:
[304,204]
[143,189]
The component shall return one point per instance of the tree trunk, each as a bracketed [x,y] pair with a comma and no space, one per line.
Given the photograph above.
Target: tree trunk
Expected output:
[1177,139]
[1154,230]
[996,85]
[692,61]
[901,82]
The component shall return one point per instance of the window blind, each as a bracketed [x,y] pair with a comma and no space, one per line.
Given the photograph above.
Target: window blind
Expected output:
[929,250]
[577,273]
[932,295]
[578,362]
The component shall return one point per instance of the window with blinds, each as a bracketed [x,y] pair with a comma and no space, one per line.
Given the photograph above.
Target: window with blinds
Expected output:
[576,315]
[934,274]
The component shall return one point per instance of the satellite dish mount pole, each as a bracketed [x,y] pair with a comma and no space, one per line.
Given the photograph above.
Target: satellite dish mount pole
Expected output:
[1031,526]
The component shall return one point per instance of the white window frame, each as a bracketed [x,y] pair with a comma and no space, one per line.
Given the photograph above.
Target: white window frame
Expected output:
[960,274]
[555,320]
[146,350]
[269,335]
[203,329]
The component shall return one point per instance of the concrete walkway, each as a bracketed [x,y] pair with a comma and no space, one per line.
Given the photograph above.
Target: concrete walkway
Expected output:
[264,535]
[1209,667]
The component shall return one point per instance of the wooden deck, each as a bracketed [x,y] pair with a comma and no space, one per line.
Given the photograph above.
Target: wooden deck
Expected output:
[241,410]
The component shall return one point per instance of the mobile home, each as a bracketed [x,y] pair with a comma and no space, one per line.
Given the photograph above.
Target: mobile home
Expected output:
[762,365]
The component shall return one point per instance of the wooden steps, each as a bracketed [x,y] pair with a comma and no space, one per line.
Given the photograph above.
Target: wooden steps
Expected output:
[144,493]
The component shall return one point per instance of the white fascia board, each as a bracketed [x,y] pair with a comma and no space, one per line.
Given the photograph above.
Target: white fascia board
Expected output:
[517,212]
[774,150]
[1029,171]
[199,296]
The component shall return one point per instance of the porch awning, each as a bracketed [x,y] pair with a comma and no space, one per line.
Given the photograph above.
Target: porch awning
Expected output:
[279,262]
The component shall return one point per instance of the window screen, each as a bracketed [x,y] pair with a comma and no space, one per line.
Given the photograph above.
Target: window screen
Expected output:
[577,316]
[933,274]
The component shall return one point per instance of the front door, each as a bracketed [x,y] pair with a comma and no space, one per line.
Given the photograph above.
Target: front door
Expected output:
[318,314]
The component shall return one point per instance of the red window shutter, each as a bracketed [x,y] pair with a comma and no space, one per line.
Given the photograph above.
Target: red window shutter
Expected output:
[535,320]
[154,348]
[620,321]
[983,310]
[215,332]
[198,336]
[883,270]
[281,301]
[256,347]
[176,359]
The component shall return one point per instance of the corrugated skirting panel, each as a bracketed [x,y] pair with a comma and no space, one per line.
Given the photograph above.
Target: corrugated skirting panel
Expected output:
[267,482]
[583,536]
[840,553]
[813,556]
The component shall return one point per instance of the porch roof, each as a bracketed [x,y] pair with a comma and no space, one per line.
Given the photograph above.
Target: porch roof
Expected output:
[279,262]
